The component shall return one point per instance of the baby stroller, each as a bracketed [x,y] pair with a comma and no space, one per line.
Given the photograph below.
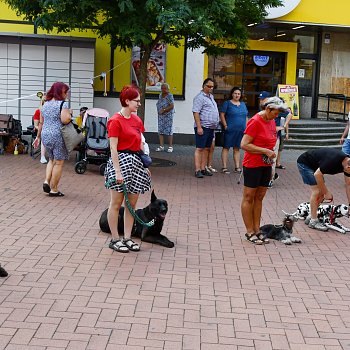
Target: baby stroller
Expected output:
[95,148]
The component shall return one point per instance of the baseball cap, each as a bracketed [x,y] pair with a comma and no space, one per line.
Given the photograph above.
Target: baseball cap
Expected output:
[264,94]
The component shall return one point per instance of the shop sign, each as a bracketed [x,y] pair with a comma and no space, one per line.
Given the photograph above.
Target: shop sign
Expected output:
[280,11]
[290,94]
[261,61]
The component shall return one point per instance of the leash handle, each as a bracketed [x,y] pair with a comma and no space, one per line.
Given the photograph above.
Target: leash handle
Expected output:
[128,205]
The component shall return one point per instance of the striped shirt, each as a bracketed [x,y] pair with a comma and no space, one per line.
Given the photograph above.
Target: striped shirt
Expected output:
[208,111]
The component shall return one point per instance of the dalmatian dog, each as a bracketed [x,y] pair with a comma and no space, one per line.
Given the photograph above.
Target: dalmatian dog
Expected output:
[284,232]
[327,214]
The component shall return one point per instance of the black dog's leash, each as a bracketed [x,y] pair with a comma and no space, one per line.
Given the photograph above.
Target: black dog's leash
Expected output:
[130,208]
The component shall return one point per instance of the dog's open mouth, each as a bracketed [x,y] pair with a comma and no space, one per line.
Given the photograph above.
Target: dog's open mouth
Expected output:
[162,215]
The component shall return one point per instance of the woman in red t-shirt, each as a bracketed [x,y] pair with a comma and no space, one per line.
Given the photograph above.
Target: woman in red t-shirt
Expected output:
[258,143]
[125,166]
[36,122]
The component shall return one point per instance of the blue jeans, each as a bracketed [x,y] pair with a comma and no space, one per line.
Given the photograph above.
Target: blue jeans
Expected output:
[346,147]
[307,174]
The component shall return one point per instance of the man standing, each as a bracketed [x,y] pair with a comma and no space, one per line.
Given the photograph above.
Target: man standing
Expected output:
[312,166]
[206,119]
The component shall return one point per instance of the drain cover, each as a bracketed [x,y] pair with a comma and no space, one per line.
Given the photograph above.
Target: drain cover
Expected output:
[162,163]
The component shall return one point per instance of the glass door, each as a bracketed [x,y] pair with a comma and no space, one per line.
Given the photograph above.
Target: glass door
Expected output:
[253,71]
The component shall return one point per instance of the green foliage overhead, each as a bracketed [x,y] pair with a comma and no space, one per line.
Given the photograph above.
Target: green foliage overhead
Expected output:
[128,23]
[207,24]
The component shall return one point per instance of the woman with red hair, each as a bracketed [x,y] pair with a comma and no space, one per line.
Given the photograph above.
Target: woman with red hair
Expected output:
[54,113]
[125,168]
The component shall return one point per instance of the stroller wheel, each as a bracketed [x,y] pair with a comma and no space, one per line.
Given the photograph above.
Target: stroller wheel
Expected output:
[102,168]
[80,167]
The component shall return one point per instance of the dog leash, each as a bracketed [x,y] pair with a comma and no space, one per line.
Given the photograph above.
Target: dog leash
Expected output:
[130,208]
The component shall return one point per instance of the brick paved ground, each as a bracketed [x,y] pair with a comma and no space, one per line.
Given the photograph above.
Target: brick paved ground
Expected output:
[68,290]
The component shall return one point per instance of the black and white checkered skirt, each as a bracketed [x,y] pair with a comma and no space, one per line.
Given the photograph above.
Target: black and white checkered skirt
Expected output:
[136,177]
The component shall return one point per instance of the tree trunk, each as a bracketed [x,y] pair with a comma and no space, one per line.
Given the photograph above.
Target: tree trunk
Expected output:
[145,54]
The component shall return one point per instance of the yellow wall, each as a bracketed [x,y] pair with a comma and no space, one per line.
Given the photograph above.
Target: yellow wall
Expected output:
[334,12]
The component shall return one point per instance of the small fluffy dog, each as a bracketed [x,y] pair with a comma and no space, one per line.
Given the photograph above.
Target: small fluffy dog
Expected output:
[284,232]
[156,210]
[327,214]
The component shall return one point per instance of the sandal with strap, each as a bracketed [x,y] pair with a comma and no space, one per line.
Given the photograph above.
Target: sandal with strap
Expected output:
[131,245]
[238,170]
[262,237]
[253,238]
[225,171]
[118,246]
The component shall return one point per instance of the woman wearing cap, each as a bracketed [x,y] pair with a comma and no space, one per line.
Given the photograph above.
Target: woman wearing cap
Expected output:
[258,142]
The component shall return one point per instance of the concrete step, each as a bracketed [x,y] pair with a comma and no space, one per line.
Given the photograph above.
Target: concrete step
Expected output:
[315,136]
[306,147]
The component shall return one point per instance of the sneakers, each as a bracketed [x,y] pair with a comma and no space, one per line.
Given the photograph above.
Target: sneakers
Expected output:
[170,149]
[206,173]
[211,169]
[43,160]
[270,184]
[316,225]
[160,149]
[198,174]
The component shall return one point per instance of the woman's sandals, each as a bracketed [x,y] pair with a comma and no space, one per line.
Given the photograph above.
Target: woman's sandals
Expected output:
[256,238]
[225,171]
[123,246]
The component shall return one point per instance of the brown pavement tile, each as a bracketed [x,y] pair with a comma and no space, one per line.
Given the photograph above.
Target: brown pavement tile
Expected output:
[68,290]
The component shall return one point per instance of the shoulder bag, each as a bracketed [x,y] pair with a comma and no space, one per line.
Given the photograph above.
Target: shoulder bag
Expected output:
[71,134]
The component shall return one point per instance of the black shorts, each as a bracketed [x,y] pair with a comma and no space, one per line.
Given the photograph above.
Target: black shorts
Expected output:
[257,177]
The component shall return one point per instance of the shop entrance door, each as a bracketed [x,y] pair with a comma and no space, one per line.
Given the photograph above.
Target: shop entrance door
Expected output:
[253,71]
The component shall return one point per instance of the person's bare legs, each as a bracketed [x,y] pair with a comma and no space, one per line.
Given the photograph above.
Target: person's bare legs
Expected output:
[247,208]
[161,140]
[278,159]
[198,155]
[257,209]
[48,173]
[236,157]
[113,212]
[170,140]
[205,158]
[224,157]
[128,218]
[315,200]
[56,174]
[210,155]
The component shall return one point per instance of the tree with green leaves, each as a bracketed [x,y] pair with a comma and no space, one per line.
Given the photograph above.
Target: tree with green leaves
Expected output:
[144,23]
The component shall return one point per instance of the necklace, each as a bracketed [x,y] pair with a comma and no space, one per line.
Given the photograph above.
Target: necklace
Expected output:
[126,117]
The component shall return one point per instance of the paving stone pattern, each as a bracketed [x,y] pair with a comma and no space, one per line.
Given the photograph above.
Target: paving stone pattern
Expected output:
[67,290]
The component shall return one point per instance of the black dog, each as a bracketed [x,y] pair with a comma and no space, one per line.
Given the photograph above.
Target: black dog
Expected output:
[3,272]
[157,210]
[284,232]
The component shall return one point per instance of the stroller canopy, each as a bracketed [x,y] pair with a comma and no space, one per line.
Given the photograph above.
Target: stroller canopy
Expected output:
[95,112]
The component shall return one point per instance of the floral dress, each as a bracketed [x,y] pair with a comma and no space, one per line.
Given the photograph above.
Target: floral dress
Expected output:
[51,133]
[165,121]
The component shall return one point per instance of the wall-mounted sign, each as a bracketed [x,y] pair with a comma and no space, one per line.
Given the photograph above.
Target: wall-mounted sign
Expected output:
[327,38]
[301,73]
[155,67]
[261,61]
[287,7]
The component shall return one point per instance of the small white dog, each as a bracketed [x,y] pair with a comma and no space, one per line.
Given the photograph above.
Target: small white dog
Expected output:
[327,214]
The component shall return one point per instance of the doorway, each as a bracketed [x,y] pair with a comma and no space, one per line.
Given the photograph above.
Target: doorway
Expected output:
[253,71]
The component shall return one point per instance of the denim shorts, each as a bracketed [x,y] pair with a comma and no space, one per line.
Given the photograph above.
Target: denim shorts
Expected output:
[307,174]
[205,140]
[346,147]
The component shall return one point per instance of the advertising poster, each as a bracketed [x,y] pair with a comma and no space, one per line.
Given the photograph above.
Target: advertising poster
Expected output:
[155,67]
[290,94]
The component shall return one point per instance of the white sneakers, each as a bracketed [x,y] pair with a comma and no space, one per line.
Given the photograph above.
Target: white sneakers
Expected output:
[43,160]
[162,149]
